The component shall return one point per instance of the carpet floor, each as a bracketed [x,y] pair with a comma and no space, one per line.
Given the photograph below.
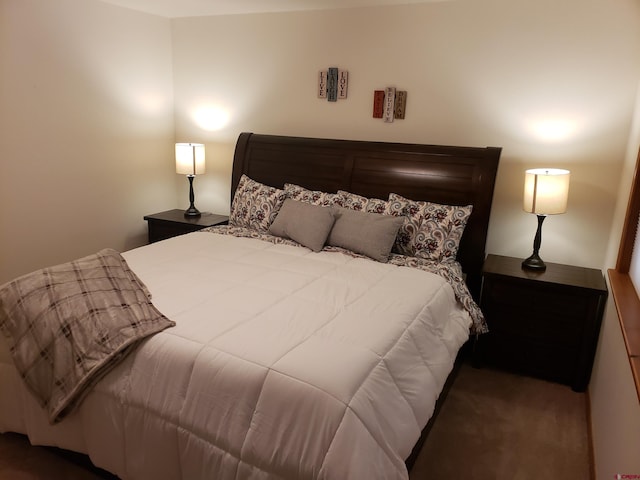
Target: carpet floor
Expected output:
[499,426]
[492,426]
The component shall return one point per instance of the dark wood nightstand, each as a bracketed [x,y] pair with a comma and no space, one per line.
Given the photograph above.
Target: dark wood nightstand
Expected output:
[168,224]
[544,324]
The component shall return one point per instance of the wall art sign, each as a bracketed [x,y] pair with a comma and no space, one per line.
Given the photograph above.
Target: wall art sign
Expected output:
[378,103]
[343,83]
[400,104]
[389,104]
[333,84]
[322,84]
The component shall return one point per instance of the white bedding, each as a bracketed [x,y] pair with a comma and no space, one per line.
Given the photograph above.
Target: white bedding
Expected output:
[284,364]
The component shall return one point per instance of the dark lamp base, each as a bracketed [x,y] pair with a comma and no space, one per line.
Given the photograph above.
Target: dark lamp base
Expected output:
[534,262]
[192,212]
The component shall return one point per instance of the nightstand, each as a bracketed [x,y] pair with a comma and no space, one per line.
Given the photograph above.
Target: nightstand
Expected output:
[168,224]
[544,324]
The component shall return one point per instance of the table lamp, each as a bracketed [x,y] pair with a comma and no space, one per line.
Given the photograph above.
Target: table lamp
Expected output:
[545,193]
[190,162]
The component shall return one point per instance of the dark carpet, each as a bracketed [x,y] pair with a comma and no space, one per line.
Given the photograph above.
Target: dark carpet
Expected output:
[499,426]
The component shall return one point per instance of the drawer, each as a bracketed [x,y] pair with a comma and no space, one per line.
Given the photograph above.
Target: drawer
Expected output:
[162,231]
[543,326]
[526,356]
[537,299]
[509,311]
[171,223]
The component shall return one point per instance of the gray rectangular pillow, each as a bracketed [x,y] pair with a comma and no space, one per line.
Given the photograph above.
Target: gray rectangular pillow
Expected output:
[307,224]
[370,234]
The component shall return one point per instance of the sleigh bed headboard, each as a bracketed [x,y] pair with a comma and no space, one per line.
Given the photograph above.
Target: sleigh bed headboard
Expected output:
[442,174]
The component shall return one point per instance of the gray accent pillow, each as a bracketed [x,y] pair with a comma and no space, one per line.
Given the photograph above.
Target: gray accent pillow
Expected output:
[307,224]
[370,234]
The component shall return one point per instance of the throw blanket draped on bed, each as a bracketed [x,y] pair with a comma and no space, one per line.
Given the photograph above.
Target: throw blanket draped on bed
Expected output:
[68,325]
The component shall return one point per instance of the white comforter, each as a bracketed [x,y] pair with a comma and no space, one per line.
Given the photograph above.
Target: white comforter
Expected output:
[284,364]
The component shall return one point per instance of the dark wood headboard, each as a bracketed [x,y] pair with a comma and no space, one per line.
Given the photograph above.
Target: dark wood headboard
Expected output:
[441,174]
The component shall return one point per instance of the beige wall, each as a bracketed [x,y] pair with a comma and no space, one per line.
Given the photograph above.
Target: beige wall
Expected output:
[495,72]
[86,129]
[614,400]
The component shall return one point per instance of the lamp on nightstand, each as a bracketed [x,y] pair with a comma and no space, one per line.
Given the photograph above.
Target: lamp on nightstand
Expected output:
[190,162]
[545,193]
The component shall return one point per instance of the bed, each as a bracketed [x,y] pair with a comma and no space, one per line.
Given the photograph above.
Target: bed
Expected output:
[289,361]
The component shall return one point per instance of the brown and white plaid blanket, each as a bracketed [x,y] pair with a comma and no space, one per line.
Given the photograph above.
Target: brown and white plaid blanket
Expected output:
[68,325]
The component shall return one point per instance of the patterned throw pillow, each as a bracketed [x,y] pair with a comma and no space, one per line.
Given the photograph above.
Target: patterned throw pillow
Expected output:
[255,205]
[432,231]
[314,197]
[359,203]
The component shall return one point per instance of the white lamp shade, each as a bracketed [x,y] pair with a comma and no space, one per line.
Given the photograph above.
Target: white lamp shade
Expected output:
[190,158]
[546,191]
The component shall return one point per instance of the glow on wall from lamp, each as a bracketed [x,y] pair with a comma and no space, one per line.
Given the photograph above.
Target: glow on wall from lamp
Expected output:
[552,129]
[211,117]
